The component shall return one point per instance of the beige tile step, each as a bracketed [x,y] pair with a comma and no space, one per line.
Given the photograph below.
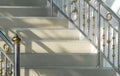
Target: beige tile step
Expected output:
[57,46]
[36,34]
[32,22]
[41,3]
[44,60]
[68,72]
[24,11]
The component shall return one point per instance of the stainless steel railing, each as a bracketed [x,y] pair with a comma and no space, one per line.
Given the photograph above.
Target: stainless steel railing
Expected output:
[10,66]
[98,23]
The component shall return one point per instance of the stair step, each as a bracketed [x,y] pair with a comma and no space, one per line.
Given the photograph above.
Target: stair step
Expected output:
[43,60]
[21,11]
[68,72]
[57,46]
[32,22]
[36,34]
[41,3]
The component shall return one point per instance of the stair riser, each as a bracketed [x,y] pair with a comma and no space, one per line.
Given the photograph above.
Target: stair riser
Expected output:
[24,12]
[42,3]
[68,72]
[57,60]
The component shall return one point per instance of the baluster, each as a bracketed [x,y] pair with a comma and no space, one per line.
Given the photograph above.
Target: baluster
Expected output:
[5,68]
[104,36]
[113,47]
[65,7]
[74,14]
[10,70]
[61,4]
[93,26]
[88,21]
[1,61]
[108,42]
[71,9]
[119,47]
[51,5]
[79,13]
[99,33]
[84,16]
[68,8]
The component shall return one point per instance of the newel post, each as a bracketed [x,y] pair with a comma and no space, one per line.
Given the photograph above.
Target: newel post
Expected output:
[16,40]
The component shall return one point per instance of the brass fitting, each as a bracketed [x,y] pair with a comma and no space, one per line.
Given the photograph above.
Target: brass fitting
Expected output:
[16,39]
[65,6]
[108,16]
[5,48]
[10,72]
[88,0]
[75,10]
[74,1]
[1,71]
[1,60]
[113,55]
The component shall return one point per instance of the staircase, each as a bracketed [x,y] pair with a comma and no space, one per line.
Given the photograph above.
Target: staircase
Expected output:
[62,44]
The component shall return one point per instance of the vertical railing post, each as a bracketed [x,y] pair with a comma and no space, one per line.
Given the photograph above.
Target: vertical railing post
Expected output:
[51,7]
[119,47]
[99,32]
[16,41]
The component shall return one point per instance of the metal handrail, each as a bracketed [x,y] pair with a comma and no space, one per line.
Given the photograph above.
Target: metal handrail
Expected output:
[97,30]
[6,40]
[109,9]
[103,16]
[4,57]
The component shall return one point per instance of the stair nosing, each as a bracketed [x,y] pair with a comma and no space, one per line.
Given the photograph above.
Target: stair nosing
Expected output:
[15,6]
[40,28]
[57,40]
[70,67]
[19,17]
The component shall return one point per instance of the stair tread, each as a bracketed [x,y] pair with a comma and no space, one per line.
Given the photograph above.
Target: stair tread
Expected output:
[62,46]
[36,34]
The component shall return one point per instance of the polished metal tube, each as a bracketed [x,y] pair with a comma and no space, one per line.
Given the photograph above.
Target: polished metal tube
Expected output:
[99,32]
[119,47]
[79,14]
[17,60]
[16,41]
[5,73]
[51,7]
[6,40]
